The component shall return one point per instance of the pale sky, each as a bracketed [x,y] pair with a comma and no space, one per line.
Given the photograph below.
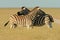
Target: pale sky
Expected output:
[29,3]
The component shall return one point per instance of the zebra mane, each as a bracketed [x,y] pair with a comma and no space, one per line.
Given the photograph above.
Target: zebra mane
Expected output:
[34,11]
[34,8]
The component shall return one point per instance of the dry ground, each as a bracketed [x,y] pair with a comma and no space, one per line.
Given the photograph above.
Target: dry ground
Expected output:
[37,33]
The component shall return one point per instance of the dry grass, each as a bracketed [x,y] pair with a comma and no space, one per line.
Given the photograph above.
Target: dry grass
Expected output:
[37,33]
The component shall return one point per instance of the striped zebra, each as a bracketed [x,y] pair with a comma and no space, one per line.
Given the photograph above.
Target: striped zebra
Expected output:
[22,20]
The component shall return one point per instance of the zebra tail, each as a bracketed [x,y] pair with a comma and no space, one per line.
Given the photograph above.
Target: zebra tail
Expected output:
[6,23]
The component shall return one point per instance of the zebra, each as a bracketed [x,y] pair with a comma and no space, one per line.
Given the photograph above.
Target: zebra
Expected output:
[22,20]
[40,17]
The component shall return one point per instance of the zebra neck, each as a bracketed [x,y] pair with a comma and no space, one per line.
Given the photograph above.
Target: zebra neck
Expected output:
[33,14]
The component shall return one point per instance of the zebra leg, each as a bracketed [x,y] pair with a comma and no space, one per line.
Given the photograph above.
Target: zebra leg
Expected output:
[15,25]
[11,25]
[50,24]
[28,27]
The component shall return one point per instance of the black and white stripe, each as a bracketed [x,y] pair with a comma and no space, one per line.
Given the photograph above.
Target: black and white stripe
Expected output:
[43,19]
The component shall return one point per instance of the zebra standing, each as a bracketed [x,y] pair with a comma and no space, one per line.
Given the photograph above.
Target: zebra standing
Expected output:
[40,17]
[22,20]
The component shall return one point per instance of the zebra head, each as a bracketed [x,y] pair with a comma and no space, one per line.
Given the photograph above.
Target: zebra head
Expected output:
[24,11]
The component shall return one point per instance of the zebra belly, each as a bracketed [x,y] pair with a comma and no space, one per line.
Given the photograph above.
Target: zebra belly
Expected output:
[24,22]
